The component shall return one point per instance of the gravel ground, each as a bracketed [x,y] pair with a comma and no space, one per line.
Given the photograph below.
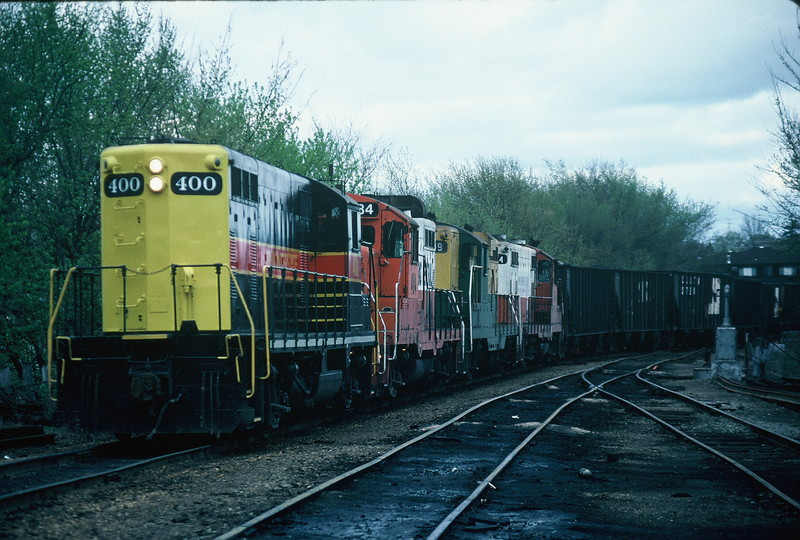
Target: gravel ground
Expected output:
[208,496]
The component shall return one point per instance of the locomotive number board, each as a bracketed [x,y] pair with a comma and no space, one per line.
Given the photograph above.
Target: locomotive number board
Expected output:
[123,185]
[189,183]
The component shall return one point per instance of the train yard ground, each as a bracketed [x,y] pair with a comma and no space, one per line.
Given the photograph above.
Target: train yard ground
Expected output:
[599,471]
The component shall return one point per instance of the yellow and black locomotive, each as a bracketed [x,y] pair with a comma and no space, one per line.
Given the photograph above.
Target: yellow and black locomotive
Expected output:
[192,237]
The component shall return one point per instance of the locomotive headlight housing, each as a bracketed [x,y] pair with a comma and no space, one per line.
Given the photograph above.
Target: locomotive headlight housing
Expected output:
[109,164]
[213,162]
[155,166]
[156,184]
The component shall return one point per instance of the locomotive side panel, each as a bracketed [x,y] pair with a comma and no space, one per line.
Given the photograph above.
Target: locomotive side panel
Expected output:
[447,257]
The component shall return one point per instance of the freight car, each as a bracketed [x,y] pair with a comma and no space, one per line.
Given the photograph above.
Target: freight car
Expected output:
[232,293]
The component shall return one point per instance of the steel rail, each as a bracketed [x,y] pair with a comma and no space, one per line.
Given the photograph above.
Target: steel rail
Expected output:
[25,436]
[679,432]
[16,497]
[794,443]
[17,466]
[250,526]
[447,521]
[636,371]
[759,392]
[456,513]
[254,523]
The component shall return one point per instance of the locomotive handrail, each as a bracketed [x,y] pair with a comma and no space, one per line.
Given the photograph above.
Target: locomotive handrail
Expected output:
[118,204]
[54,311]
[266,325]
[518,317]
[123,305]
[320,303]
[397,310]
[69,352]
[396,322]
[228,338]
[469,298]
[252,391]
[378,316]
[53,315]
[451,297]
[307,272]
[118,242]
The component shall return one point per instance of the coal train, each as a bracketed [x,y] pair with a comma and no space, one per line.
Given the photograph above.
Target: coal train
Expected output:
[232,293]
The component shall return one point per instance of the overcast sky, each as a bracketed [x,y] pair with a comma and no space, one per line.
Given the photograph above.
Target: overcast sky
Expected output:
[680,90]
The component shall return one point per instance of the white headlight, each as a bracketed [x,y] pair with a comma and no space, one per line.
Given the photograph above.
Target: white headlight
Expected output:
[156,184]
[155,166]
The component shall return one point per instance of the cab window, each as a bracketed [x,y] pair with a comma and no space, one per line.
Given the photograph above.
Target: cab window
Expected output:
[393,239]
[330,226]
[545,269]
[354,231]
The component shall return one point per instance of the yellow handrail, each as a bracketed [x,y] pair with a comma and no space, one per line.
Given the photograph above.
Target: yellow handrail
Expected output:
[118,240]
[53,315]
[139,302]
[69,353]
[118,205]
[228,338]
[55,308]
[266,325]
[252,391]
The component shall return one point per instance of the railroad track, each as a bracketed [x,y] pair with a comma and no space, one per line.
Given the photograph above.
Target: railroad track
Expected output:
[752,449]
[425,473]
[24,481]
[24,436]
[34,478]
[446,481]
[771,394]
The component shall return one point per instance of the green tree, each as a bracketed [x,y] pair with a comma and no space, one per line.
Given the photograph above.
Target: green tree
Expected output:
[76,78]
[253,118]
[754,231]
[353,163]
[601,214]
[259,121]
[397,176]
[490,194]
[620,220]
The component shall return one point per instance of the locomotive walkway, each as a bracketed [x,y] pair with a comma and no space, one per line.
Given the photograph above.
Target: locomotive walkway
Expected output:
[480,472]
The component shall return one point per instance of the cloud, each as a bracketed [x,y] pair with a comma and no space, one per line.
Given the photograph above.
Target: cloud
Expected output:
[680,90]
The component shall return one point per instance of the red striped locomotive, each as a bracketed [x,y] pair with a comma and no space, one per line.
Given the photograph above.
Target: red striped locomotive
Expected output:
[232,293]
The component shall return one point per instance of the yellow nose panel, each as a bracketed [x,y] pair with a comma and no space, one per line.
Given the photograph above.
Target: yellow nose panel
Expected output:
[164,215]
